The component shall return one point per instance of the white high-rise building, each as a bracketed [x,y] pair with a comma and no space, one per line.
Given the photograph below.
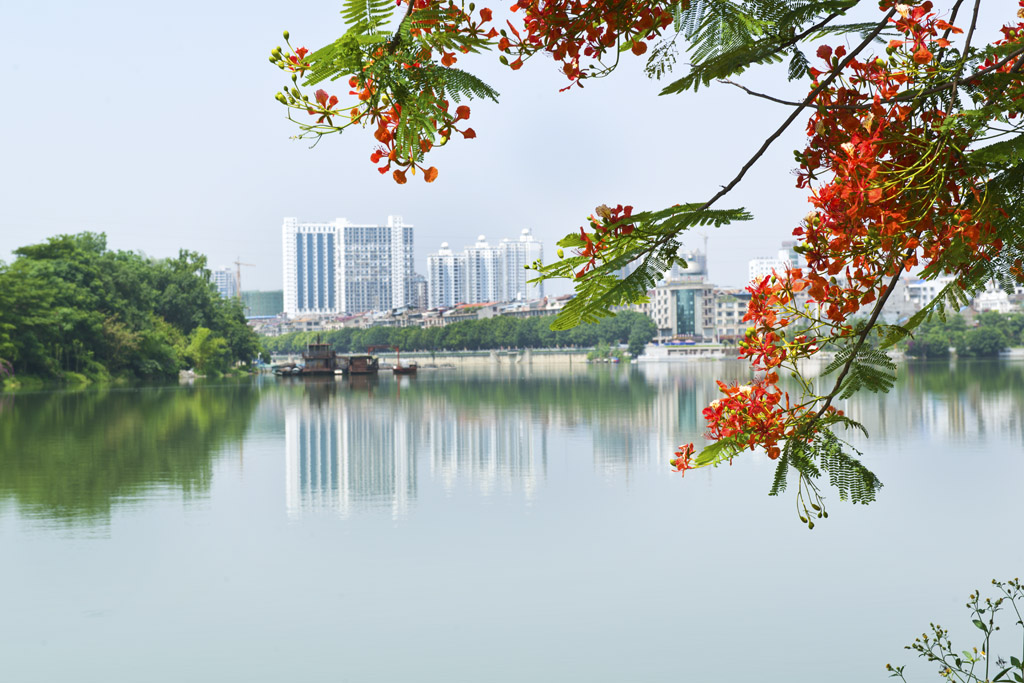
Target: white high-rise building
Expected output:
[483,273]
[225,281]
[762,267]
[515,256]
[418,288]
[341,267]
[376,266]
[446,278]
[311,265]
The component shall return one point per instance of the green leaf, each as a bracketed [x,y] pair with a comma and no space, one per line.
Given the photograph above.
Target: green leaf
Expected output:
[1004,152]
[714,453]
[980,624]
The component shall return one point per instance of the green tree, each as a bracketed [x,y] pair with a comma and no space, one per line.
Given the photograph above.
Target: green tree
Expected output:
[982,342]
[209,353]
[70,305]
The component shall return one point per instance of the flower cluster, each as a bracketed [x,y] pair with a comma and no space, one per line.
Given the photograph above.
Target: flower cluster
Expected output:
[754,415]
[891,189]
[683,460]
[391,77]
[608,224]
[579,33]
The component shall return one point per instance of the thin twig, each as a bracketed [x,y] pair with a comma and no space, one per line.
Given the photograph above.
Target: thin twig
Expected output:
[909,95]
[393,43]
[792,117]
[817,27]
[861,339]
[963,57]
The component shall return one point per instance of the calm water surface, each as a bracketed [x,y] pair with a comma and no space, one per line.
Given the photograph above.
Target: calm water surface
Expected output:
[495,526]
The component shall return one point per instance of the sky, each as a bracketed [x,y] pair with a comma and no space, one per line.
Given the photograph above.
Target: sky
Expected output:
[157,125]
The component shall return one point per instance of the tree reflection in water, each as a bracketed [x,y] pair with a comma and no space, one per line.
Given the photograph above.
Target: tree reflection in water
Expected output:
[69,457]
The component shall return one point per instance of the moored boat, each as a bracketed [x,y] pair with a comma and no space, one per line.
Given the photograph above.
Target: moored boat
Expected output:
[362,365]
[319,359]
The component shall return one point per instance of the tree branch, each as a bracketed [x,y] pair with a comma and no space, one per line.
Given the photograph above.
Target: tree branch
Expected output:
[792,117]
[910,95]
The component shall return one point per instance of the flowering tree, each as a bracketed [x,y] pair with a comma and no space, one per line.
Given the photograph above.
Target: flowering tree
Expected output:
[913,159]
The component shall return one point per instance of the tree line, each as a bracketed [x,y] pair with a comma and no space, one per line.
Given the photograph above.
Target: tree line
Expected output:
[628,327]
[993,333]
[72,309]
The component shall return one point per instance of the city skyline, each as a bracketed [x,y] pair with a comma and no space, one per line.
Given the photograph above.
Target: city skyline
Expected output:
[482,273]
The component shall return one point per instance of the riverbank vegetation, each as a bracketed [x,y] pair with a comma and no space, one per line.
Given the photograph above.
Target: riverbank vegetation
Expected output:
[75,311]
[499,332]
[993,333]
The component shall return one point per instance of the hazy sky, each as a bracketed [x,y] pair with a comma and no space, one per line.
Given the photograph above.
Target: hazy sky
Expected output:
[157,125]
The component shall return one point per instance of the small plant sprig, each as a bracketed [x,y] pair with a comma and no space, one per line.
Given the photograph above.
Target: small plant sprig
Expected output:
[976,664]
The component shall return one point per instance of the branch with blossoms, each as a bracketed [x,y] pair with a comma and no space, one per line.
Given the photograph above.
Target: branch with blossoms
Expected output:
[892,187]
[402,85]
[913,158]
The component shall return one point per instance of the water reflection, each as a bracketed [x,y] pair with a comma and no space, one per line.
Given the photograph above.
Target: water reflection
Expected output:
[347,452]
[70,457]
[490,451]
[357,445]
[961,400]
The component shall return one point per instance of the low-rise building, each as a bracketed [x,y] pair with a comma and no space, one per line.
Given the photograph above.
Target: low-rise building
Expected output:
[730,309]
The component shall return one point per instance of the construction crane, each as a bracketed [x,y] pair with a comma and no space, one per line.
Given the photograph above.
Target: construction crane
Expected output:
[238,276]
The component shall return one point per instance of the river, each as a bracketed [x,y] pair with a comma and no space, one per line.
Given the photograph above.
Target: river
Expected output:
[503,524]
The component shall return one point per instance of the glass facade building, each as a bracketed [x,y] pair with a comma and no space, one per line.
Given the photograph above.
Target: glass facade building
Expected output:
[263,303]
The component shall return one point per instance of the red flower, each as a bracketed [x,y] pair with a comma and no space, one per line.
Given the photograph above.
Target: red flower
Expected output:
[682,461]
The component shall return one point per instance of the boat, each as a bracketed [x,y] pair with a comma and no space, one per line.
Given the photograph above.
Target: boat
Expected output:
[287,369]
[362,365]
[397,368]
[319,359]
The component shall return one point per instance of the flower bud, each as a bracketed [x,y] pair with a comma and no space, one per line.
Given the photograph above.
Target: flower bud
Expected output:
[285,34]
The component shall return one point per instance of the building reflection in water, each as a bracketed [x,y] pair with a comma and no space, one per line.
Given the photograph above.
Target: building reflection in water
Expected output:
[963,400]
[349,448]
[345,454]
[491,452]
[363,447]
